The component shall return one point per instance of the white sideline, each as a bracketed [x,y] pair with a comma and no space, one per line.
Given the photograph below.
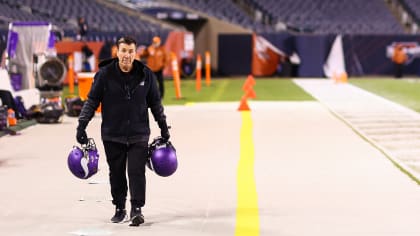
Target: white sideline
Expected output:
[350,99]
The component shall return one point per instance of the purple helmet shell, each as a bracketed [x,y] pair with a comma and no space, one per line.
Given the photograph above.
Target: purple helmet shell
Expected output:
[83,162]
[163,160]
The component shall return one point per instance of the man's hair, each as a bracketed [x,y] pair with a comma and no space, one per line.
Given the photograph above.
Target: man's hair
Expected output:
[127,40]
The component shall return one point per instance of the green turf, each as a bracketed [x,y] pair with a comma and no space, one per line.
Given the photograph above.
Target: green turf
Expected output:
[272,89]
[403,91]
[66,92]
[22,124]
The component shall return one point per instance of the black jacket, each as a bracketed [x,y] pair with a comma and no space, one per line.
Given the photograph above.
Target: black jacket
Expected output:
[125,99]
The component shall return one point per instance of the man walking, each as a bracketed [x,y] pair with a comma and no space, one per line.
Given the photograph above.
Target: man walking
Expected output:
[126,89]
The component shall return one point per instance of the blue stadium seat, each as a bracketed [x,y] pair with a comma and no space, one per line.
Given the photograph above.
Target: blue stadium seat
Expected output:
[100,18]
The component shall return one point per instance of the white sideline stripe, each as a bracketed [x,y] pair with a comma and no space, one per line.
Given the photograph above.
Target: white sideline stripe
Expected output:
[304,84]
[387,152]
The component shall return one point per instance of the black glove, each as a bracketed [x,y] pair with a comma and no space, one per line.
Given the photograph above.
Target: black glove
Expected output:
[164,130]
[81,135]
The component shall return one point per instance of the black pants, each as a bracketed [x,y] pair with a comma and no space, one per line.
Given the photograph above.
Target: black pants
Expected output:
[159,77]
[129,158]
[398,73]
[7,99]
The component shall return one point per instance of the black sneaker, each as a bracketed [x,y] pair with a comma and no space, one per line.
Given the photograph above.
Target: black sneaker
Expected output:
[136,217]
[120,216]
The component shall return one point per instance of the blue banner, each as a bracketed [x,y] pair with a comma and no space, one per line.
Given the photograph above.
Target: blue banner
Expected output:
[12,44]
[51,40]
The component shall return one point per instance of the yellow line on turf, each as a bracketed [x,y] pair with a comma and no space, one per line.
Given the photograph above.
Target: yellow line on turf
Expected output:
[247,219]
[216,95]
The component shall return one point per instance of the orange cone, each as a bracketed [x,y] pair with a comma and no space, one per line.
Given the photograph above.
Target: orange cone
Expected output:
[247,85]
[343,77]
[208,68]
[250,93]
[198,73]
[249,82]
[243,106]
[70,73]
[177,79]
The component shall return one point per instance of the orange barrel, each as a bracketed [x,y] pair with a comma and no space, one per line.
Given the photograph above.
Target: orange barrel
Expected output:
[85,80]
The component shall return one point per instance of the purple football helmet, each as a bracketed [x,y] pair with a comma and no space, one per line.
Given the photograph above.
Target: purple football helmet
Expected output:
[83,162]
[162,157]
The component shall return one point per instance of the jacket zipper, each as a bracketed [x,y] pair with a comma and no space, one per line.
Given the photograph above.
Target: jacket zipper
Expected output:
[128,97]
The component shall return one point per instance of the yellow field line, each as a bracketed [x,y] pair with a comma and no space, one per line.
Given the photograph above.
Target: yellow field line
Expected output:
[220,91]
[247,219]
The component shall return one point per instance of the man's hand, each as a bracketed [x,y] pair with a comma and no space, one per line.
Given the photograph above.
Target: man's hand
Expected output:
[164,130]
[81,136]
[165,134]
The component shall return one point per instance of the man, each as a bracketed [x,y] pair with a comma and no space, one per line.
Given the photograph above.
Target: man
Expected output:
[399,58]
[156,61]
[126,88]
[6,99]
[83,29]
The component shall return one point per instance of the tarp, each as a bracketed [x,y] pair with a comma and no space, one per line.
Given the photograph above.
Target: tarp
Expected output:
[25,40]
[265,57]
[182,44]
[335,64]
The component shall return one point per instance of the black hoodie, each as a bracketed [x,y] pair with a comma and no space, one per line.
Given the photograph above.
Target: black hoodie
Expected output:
[125,99]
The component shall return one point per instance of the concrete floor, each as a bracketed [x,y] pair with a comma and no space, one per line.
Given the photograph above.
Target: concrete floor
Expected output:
[313,174]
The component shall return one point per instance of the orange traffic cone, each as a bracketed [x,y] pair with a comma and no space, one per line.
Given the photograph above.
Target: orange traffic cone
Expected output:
[177,79]
[243,106]
[198,73]
[70,73]
[248,87]
[250,79]
[208,68]
[249,82]
[250,93]
[343,77]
